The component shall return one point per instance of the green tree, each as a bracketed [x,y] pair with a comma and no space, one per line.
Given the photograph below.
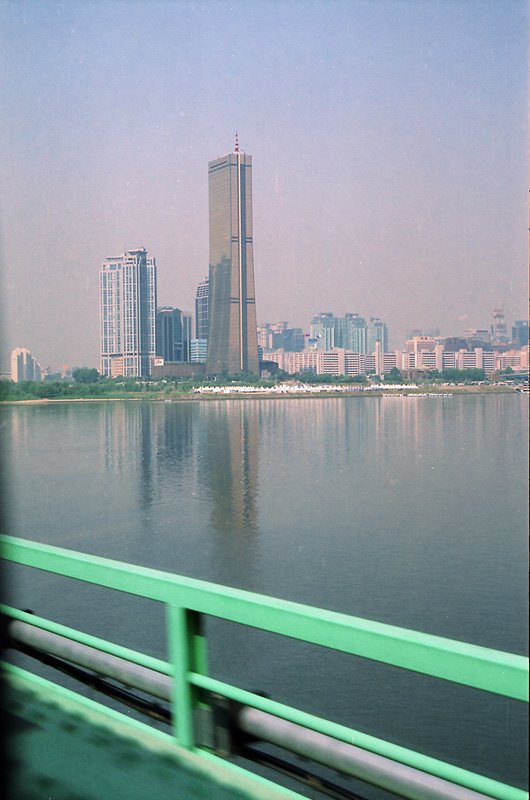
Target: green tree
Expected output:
[85,375]
[393,376]
[463,375]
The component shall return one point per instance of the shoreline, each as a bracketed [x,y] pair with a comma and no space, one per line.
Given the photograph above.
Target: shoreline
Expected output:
[420,391]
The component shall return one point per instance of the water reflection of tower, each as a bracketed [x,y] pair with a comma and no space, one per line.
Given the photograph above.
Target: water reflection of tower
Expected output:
[230,466]
[151,441]
[127,446]
[115,433]
[18,428]
[145,488]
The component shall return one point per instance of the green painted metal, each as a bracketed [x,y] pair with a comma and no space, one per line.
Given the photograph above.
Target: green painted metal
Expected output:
[471,665]
[216,771]
[181,657]
[187,599]
[432,766]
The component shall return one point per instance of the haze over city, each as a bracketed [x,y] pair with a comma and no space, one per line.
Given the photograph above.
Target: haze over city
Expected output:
[388,143]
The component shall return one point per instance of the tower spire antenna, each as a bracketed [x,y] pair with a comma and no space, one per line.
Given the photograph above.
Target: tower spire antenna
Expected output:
[236,149]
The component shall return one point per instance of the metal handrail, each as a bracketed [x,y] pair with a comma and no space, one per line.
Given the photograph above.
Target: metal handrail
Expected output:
[187,599]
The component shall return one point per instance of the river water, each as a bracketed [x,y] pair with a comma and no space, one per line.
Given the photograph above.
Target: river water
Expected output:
[409,511]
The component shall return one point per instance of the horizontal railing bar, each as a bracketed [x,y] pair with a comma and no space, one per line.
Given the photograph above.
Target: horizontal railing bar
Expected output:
[104,646]
[289,713]
[39,643]
[471,665]
[372,744]
[25,634]
[348,759]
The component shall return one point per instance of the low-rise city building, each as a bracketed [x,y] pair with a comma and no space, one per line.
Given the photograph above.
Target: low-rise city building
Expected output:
[515,359]
[198,351]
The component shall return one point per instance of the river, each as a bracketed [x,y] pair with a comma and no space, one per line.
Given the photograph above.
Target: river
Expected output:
[410,511]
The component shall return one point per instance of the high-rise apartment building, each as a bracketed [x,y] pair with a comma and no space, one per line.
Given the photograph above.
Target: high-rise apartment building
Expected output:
[324,330]
[201,310]
[279,336]
[351,332]
[24,367]
[232,340]
[127,291]
[355,334]
[377,332]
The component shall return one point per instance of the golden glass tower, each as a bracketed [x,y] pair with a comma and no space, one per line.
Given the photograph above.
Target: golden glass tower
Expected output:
[232,337]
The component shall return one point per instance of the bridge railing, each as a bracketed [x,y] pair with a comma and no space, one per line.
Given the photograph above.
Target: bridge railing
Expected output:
[187,599]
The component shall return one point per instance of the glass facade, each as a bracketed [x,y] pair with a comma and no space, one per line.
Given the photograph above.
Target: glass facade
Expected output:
[201,310]
[173,334]
[169,334]
[232,339]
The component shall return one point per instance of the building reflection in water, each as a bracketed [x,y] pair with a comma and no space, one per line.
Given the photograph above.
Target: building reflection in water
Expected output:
[209,449]
[151,442]
[228,463]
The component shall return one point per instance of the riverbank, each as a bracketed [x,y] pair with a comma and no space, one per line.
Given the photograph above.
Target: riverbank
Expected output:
[420,390]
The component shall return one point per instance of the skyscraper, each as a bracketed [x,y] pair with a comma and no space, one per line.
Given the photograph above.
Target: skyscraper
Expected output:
[232,339]
[169,334]
[127,287]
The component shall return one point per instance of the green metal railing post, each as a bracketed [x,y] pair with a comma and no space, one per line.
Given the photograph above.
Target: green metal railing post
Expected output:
[189,601]
[187,654]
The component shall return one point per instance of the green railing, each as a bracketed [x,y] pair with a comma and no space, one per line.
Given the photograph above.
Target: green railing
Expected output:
[186,599]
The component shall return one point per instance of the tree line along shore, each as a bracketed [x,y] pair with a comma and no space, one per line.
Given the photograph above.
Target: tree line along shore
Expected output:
[87,384]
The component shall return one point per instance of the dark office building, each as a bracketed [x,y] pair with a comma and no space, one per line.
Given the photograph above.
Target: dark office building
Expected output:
[187,335]
[173,334]
[232,339]
[520,332]
[455,343]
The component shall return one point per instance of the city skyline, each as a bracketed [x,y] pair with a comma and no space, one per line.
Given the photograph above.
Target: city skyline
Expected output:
[389,178]
[351,333]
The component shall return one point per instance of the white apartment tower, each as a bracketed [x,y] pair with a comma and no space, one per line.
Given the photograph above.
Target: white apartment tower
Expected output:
[24,367]
[127,296]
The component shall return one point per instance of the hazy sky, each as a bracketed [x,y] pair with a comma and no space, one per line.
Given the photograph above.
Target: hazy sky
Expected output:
[388,141]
